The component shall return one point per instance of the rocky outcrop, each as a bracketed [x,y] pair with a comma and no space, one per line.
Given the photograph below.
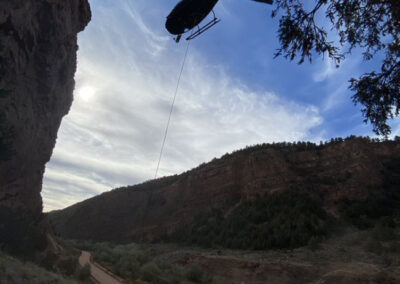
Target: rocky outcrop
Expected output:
[354,168]
[38,45]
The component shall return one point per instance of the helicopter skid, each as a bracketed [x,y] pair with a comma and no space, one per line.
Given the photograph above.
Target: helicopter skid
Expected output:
[201,30]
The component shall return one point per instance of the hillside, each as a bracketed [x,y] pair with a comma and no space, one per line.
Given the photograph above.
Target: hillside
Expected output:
[349,178]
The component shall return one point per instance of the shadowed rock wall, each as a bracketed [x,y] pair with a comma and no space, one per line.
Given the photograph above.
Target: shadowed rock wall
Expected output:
[38,45]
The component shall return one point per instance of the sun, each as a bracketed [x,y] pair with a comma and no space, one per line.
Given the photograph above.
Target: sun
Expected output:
[86,93]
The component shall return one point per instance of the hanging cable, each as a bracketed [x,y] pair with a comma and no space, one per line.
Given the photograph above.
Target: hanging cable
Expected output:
[171,110]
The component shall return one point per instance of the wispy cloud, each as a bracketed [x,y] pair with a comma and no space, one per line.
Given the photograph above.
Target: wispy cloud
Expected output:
[327,69]
[126,77]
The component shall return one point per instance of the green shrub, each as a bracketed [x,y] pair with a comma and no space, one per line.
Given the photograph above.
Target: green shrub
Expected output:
[15,271]
[194,273]
[83,274]
[48,261]
[68,265]
[150,272]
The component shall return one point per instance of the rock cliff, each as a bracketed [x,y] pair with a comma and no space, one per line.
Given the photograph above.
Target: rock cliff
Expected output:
[38,45]
[353,169]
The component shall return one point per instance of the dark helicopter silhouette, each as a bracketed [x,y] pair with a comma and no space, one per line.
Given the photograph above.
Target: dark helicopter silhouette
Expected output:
[188,14]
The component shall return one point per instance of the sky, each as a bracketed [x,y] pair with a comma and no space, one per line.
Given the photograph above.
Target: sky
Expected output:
[233,93]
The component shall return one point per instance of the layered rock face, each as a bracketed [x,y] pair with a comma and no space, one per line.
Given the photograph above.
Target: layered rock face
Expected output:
[38,45]
[355,168]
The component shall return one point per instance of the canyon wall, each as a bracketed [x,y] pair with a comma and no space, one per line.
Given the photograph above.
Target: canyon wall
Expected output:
[353,169]
[38,46]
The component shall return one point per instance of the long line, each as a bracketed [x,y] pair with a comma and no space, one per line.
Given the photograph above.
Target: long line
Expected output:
[172,108]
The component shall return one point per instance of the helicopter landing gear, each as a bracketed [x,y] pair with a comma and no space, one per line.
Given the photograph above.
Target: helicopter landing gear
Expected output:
[207,26]
[178,38]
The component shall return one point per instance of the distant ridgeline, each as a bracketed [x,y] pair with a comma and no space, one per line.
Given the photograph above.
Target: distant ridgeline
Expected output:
[280,195]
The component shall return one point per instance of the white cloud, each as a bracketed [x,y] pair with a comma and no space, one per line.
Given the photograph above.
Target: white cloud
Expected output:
[327,69]
[112,137]
[337,97]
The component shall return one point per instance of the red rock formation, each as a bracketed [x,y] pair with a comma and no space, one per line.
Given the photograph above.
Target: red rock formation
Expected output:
[352,169]
[38,44]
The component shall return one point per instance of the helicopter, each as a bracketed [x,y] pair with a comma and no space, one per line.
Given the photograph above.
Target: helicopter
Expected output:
[188,14]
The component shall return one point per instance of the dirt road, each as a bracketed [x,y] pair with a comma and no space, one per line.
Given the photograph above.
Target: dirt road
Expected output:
[99,274]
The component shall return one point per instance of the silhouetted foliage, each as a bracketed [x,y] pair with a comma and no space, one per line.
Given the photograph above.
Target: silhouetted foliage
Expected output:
[13,270]
[83,274]
[68,265]
[372,26]
[281,220]
[194,273]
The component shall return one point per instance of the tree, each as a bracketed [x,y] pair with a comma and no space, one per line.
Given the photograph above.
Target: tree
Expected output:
[372,25]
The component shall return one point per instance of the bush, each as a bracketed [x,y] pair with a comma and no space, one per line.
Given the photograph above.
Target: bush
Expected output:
[83,274]
[150,272]
[68,265]
[194,273]
[14,271]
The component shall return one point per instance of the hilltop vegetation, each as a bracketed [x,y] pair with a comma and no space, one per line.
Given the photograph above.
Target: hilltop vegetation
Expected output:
[281,220]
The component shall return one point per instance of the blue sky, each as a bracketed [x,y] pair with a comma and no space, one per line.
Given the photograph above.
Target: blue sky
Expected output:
[233,93]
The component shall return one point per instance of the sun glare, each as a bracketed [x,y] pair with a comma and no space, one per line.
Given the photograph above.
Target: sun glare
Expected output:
[86,93]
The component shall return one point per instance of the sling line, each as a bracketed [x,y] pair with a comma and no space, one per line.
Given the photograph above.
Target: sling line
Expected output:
[171,110]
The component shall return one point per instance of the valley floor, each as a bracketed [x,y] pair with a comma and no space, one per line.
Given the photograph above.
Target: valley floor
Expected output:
[351,256]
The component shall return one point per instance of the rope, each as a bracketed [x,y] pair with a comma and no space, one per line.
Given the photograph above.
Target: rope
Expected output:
[172,108]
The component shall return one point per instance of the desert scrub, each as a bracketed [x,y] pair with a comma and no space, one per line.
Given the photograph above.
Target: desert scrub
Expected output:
[194,273]
[83,273]
[134,262]
[150,272]
[124,260]
[14,271]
